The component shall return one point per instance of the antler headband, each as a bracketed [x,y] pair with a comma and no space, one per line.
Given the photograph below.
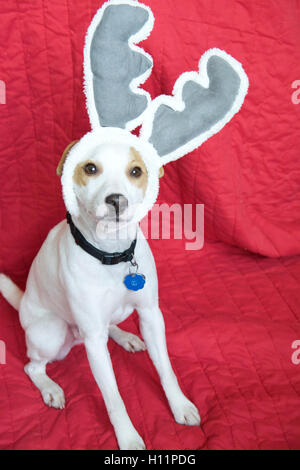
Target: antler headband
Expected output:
[172,126]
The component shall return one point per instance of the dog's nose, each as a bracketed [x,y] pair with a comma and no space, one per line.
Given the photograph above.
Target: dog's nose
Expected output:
[118,202]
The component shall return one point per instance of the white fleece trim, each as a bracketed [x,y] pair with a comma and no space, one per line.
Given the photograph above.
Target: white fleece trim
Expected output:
[111,135]
[136,82]
[176,102]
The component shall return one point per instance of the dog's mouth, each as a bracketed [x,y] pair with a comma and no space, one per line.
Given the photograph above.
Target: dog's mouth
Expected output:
[113,224]
[114,219]
[114,214]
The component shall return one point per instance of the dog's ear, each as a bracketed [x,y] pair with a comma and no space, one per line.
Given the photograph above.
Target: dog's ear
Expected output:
[60,166]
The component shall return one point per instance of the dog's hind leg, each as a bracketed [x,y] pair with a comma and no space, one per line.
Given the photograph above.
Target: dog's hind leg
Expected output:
[45,339]
[52,393]
[128,341]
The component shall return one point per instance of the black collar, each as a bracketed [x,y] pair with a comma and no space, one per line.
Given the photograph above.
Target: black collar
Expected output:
[103,256]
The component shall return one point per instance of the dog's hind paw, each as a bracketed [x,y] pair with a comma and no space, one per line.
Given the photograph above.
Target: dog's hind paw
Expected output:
[54,396]
[133,343]
[129,341]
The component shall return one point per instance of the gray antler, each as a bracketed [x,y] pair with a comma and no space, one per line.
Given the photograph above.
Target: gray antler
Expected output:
[201,106]
[115,67]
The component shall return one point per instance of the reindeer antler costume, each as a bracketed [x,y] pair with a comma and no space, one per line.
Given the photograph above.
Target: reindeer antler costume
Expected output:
[171,126]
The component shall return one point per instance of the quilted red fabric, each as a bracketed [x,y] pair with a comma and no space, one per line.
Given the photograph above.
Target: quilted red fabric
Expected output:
[232,309]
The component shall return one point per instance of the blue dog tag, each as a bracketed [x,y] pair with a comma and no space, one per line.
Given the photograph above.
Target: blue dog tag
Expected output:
[134,281]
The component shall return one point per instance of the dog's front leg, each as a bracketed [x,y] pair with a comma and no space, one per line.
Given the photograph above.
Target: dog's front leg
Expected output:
[99,359]
[153,330]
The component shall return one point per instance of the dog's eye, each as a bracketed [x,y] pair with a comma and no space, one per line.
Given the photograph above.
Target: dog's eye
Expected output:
[90,169]
[136,172]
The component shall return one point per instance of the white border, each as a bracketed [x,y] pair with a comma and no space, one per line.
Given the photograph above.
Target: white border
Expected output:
[136,82]
[176,102]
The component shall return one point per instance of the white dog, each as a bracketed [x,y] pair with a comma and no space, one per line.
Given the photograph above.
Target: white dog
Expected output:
[72,297]
[91,274]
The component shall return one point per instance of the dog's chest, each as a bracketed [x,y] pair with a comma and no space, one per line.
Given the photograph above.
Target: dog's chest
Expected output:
[121,313]
[98,291]
[116,302]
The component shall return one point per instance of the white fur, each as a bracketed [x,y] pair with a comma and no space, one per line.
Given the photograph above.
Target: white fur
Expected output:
[10,291]
[71,297]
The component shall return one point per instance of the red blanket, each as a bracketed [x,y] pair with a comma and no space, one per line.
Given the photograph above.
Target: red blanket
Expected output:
[231,309]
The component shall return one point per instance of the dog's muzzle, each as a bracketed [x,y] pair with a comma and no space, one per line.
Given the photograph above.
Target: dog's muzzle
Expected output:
[117,204]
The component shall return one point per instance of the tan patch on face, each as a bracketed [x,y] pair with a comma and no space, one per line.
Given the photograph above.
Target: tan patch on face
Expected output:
[80,177]
[135,159]
[161,172]
[60,166]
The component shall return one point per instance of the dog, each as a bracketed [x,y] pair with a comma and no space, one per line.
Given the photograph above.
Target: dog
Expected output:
[96,267]
[71,297]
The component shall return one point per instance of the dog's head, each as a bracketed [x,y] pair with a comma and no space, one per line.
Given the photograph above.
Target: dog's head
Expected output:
[111,172]
[109,177]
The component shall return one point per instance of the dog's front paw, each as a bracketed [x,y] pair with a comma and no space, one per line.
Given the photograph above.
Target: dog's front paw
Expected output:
[54,396]
[185,412]
[131,441]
